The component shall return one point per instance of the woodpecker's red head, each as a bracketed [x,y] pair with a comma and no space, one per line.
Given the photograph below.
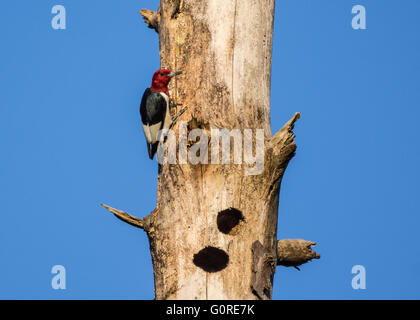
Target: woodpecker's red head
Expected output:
[161,80]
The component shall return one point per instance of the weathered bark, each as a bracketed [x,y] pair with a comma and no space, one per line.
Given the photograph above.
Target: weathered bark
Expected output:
[295,252]
[213,232]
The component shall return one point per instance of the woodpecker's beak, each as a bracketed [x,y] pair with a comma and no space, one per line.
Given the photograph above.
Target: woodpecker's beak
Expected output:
[173,74]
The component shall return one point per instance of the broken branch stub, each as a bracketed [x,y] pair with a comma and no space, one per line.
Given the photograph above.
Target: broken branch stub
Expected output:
[151,18]
[295,252]
[128,218]
[285,135]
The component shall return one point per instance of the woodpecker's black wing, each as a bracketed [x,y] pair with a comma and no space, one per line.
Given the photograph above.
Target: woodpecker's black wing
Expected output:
[153,110]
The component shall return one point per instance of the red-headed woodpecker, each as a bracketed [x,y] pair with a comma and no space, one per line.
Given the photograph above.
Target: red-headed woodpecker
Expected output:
[154,108]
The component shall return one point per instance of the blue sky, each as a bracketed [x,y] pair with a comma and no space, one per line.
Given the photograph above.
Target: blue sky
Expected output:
[70,139]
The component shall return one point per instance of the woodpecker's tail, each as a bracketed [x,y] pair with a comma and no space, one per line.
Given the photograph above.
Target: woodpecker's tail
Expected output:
[151,149]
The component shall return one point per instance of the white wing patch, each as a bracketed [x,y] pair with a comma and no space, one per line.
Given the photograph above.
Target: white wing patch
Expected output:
[151,132]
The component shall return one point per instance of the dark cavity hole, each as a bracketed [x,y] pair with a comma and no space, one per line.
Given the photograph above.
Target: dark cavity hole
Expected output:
[228,219]
[211,259]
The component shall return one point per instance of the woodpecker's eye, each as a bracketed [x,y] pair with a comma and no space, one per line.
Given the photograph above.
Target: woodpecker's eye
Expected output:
[162,74]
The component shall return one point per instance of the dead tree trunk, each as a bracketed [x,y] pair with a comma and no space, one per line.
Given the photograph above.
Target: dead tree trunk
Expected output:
[213,232]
